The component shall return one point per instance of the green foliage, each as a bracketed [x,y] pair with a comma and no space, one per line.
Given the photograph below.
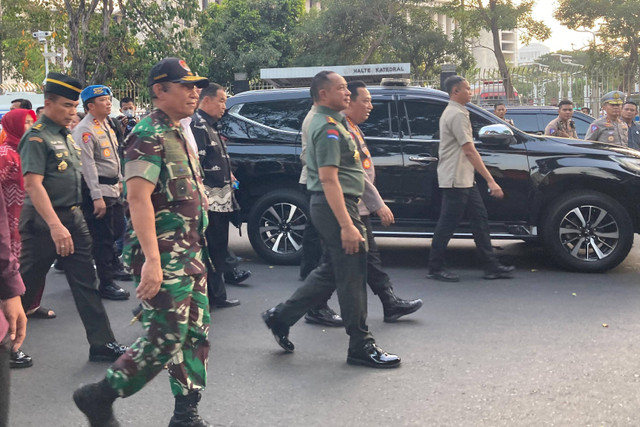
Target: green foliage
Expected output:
[246,35]
[376,31]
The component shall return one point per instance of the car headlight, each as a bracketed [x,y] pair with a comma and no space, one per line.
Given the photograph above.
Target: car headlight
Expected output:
[629,163]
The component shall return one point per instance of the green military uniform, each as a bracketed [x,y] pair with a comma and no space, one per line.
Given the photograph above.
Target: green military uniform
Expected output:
[47,149]
[606,130]
[177,319]
[330,144]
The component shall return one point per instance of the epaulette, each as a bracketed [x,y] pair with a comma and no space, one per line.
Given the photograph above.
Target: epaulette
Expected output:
[37,127]
[331,120]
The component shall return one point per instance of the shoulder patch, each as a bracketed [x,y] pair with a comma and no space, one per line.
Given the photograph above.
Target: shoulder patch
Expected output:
[333,134]
[552,131]
[594,128]
[86,137]
[36,139]
[331,120]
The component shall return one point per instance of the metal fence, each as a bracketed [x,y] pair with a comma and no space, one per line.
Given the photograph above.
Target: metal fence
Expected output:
[534,84]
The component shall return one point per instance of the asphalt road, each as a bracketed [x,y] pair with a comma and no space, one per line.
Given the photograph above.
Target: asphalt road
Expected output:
[547,348]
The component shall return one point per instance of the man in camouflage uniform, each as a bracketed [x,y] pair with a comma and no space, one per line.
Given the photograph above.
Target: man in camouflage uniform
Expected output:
[101,176]
[610,129]
[165,249]
[563,125]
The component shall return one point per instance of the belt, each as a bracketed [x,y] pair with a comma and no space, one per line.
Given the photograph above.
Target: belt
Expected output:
[108,181]
[346,196]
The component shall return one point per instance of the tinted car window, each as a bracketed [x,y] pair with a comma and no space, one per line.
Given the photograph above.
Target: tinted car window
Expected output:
[422,118]
[379,123]
[525,122]
[284,115]
[477,122]
[581,126]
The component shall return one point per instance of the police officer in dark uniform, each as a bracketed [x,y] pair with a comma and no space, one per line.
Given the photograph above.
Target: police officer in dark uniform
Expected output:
[101,176]
[52,225]
[336,179]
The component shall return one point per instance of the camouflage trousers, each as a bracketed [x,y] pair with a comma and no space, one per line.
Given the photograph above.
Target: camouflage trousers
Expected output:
[177,323]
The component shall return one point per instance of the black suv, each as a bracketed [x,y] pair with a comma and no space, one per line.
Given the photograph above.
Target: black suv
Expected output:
[535,119]
[580,198]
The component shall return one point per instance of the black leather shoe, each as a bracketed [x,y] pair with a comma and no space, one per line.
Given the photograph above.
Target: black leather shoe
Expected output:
[279,331]
[394,307]
[499,272]
[324,316]
[443,276]
[96,402]
[122,276]
[113,292]
[372,356]
[19,359]
[226,303]
[109,352]
[236,276]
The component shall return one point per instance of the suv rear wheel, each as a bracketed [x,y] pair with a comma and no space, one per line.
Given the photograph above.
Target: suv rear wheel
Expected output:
[275,226]
[588,231]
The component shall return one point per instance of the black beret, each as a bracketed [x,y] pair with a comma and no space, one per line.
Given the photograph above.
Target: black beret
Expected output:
[62,85]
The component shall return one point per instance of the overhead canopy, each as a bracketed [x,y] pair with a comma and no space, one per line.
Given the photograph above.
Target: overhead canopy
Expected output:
[301,76]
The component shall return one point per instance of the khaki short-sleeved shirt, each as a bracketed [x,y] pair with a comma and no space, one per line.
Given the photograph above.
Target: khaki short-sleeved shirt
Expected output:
[454,170]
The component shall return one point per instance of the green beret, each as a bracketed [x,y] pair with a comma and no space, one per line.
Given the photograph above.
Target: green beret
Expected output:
[62,85]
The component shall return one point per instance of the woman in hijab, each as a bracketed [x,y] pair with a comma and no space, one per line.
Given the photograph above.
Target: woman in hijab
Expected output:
[15,123]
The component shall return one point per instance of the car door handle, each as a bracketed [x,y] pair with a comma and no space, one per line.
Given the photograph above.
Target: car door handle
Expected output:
[423,159]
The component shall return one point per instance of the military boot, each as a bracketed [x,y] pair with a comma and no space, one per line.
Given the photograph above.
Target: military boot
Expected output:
[96,402]
[394,307]
[185,413]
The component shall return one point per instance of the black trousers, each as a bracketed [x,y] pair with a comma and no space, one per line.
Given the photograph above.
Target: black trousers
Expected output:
[39,251]
[5,382]
[346,274]
[222,258]
[311,246]
[103,233]
[457,203]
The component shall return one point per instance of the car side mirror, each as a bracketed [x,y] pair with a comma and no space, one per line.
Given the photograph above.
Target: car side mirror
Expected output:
[496,135]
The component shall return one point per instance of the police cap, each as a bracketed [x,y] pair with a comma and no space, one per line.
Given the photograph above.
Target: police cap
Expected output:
[175,70]
[62,85]
[94,91]
[614,97]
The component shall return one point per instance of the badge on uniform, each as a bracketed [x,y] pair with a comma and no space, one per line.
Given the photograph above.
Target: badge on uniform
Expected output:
[332,133]
[62,166]
[552,131]
[86,137]
[611,138]
[366,164]
[356,156]
[106,152]
[59,155]
[594,128]
[35,139]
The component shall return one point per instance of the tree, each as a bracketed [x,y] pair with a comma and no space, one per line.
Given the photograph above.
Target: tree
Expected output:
[367,31]
[494,16]
[246,35]
[619,29]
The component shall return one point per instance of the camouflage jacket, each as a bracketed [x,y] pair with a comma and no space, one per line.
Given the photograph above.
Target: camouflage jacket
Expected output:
[157,151]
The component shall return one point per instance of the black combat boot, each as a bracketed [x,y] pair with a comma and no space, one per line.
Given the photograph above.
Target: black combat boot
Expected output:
[96,402]
[394,307]
[185,413]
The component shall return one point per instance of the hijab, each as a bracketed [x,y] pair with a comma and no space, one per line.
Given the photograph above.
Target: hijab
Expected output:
[13,125]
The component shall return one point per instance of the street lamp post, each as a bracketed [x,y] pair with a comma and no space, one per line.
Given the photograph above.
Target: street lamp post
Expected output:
[42,38]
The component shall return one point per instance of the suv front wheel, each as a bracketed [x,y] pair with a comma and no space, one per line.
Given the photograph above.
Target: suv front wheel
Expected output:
[275,226]
[587,231]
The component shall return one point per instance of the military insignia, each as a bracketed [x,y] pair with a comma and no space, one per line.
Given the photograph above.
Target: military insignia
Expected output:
[59,155]
[184,65]
[331,120]
[98,90]
[610,138]
[62,166]
[66,154]
[356,156]
[616,95]
[366,164]
[333,134]
[594,128]
[37,126]
[35,139]
[106,152]
[86,137]
[552,131]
